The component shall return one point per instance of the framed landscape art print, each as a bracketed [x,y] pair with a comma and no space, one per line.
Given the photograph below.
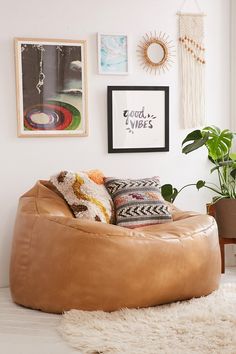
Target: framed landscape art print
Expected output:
[138,118]
[51,87]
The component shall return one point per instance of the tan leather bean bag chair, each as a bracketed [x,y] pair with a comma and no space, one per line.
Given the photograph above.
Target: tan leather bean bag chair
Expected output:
[60,263]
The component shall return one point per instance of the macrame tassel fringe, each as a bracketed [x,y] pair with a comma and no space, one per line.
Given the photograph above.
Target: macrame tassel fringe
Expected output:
[192,71]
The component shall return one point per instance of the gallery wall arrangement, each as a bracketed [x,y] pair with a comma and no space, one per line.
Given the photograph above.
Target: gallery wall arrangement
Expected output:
[51,78]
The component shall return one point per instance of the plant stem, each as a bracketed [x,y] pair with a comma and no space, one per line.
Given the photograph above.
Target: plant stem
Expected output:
[213,189]
[187,185]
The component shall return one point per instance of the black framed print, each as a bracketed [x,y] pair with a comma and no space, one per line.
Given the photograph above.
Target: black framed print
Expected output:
[138,118]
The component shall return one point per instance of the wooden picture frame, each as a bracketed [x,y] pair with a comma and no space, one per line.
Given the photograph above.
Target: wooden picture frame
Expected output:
[138,118]
[51,87]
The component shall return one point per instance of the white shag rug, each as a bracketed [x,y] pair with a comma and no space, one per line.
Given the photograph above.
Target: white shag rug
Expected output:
[205,325]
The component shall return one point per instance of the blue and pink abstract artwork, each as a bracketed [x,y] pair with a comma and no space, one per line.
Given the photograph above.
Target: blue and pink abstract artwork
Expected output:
[113,54]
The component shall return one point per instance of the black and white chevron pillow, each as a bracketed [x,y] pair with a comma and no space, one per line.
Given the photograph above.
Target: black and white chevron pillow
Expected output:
[138,202]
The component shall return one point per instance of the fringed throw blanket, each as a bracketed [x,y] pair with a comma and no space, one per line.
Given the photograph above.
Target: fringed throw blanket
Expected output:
[192,51]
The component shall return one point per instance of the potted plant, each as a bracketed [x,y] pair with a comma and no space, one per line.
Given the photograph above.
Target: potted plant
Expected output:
[218,144]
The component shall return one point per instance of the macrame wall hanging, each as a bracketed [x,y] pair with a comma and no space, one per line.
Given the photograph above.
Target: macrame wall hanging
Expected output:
[192,59]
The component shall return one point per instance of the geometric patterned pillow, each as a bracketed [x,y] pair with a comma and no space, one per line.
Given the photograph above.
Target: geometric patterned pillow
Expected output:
[138,202]
[87,199]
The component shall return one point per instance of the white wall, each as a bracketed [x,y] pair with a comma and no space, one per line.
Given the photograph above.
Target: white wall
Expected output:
[23,161]
[233,63]
[233,79]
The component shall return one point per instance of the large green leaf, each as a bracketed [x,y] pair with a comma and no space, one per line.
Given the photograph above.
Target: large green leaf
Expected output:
[211,129]
[218,142]
[194,135]
[197,139]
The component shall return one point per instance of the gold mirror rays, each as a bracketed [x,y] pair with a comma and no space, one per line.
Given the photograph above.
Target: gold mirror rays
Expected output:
[156,52]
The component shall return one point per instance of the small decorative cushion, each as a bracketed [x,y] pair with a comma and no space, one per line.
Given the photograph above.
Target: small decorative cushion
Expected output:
[86,198]
[138,202]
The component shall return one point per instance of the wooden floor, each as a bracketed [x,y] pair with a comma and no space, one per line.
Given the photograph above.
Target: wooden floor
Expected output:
[24,331]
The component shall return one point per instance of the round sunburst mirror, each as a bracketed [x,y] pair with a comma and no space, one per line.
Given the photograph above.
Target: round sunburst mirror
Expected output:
[156,52]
